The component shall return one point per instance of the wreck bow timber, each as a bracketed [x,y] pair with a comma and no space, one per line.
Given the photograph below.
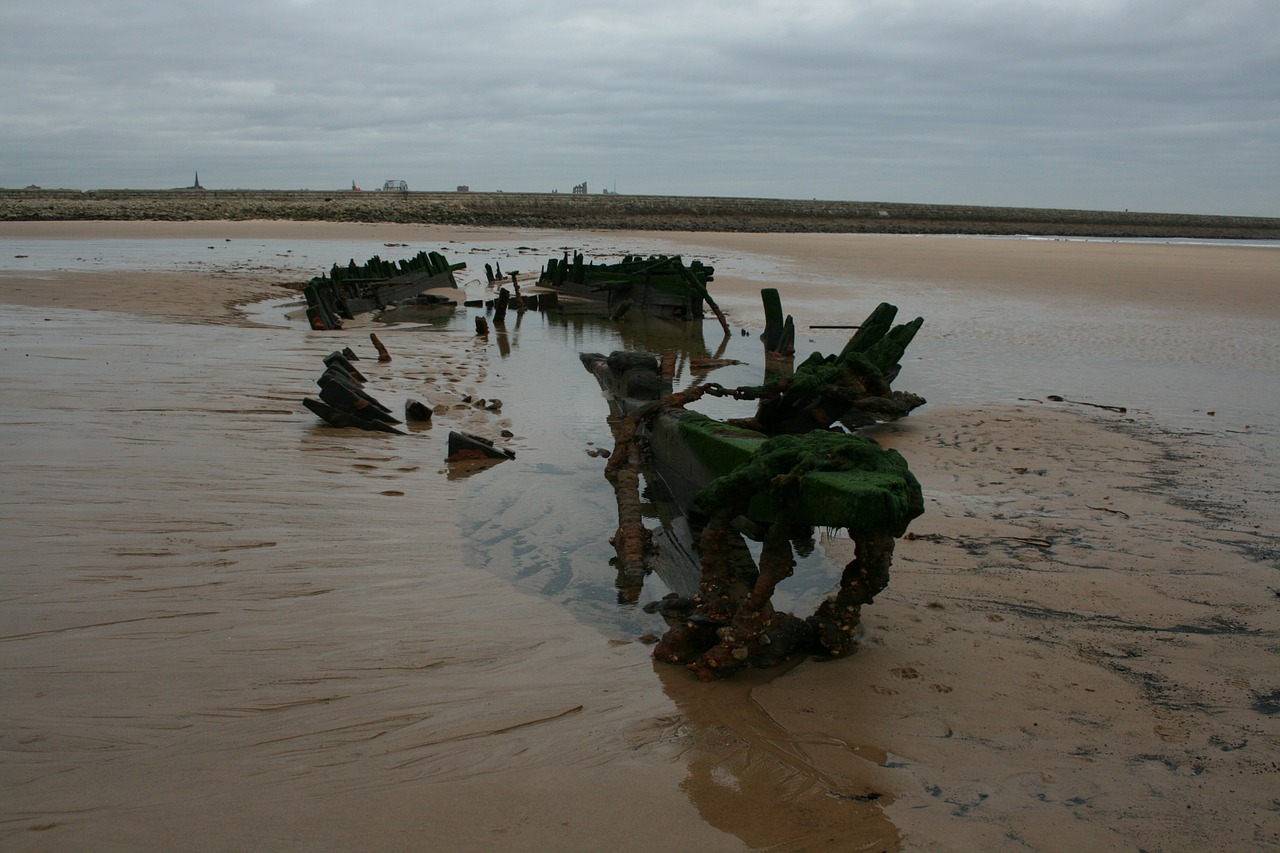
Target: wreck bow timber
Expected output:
[350,290]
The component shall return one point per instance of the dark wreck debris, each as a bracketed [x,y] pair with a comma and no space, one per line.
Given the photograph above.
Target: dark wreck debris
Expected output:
[779,335]
[1059,399]
[339,418]
[344,402]
[772,482]
[416,411]
[851,388]
[662,285]
[464,445]
[357,289]
[339,362]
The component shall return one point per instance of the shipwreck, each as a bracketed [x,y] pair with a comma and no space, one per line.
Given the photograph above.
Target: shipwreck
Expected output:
[376,284]
[771,477]
[663,285]
[736,497]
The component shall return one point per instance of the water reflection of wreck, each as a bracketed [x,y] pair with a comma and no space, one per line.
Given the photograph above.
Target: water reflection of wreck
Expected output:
[375,284]
[771,477]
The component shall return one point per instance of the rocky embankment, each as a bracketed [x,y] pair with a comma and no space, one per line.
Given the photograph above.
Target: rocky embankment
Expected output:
[615,212]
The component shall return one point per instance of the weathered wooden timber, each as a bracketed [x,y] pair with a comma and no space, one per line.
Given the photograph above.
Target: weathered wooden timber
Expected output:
[773,483]
[465,445]
[338,418]
[779,335]
[344,402]
[851,387]
[376,284]
[417,411]
[662,284]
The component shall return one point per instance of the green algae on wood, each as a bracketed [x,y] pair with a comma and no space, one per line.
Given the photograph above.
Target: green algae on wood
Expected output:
[824,479]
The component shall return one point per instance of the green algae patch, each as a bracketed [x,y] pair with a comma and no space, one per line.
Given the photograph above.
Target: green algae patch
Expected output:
[719,446]
[824,478]
[861,500]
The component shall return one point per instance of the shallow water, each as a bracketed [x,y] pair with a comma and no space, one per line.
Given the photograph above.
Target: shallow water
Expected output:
[971,349]
[542,521]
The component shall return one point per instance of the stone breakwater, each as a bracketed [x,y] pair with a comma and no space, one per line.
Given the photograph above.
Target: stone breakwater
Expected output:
[616,212]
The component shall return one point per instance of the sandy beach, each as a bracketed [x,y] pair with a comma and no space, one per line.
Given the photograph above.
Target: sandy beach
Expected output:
[224,626]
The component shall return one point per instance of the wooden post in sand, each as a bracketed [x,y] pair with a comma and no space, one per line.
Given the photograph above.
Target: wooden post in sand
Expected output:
[521,307]
[500,307]
[383,355]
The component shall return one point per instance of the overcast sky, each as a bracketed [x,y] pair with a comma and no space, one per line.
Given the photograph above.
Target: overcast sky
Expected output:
[1159,105]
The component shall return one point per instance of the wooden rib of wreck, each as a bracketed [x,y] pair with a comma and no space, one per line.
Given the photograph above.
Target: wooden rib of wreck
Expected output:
[343,400]
[662,285]
[773,478]
[356,289]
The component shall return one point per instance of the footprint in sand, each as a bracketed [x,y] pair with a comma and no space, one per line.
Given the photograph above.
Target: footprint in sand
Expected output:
[905,672]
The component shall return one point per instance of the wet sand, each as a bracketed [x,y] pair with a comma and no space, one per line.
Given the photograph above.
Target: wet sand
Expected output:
[226,627]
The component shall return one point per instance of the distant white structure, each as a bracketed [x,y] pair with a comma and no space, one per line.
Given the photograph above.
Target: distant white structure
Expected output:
[580,189]
[395,187]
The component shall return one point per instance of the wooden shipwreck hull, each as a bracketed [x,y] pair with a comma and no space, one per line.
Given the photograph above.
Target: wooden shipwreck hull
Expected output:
[356,289]
[662,285]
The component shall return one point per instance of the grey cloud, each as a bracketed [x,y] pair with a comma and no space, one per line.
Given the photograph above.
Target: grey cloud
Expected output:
[1170,105]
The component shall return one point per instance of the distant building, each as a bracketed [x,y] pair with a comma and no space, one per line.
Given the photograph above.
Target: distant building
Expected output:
[395,187]
[580,189]
[463,188]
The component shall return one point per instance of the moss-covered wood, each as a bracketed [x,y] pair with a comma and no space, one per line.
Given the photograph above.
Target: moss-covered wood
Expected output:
[773,477]
[852,387]
[826,479]
[663,284]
